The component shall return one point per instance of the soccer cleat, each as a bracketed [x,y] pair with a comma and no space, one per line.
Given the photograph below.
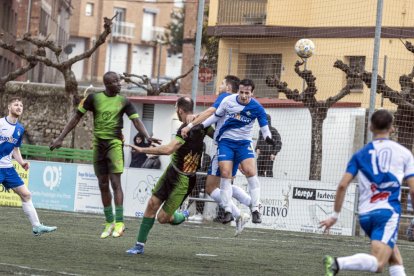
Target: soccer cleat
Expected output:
[137,249]
[331,265]
[40,229]
[227,217]
[109,227]
[118,230]
[186,214]
[256,217]
[240,223]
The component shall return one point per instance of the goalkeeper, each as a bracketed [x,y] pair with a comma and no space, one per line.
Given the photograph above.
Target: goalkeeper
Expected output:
[178,180]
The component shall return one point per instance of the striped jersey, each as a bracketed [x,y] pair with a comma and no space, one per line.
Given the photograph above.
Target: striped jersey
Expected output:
[381,166]
[11,136]
[216,104]
[239,118]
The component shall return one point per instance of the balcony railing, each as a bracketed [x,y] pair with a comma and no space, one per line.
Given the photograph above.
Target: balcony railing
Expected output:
[153,34]
[123,29]
[242,12]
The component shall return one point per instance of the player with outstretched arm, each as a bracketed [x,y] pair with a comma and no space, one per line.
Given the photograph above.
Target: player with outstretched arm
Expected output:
[381,166]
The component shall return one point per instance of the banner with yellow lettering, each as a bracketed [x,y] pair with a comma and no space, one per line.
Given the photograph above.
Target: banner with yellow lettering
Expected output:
[8,197]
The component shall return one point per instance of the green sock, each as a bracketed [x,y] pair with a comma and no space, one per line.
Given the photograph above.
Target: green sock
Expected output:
[178,218]
[119,213]
[144,229]
[109,215]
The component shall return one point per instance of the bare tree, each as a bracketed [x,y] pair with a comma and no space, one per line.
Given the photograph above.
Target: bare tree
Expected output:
[151,89]
[31,63]
[404,99]
[318,109]
[65,67]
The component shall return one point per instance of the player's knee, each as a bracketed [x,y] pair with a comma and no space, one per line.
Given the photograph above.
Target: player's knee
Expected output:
[163,218]
[26,196]
[226,174]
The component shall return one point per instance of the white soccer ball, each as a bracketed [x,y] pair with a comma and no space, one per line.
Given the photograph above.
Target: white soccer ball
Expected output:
[304,48]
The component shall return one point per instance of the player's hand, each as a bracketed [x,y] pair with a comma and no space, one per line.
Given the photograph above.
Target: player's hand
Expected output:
[270,141]
[257,151]
[155,140]
[272,157]
[327,223]
[185,131]
[190,118]
[57,143]
[25,165]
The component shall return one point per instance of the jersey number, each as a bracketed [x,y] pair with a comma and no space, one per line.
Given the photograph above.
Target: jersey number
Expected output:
[384,160]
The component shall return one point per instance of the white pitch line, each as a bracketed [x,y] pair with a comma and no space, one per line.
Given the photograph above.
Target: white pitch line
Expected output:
[206,255]
[39,269]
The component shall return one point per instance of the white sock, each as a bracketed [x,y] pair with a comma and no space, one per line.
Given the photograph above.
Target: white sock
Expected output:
[226,193]
[234,210]
[254,190]
[241,196]
[31,213]
[216,196]
[396,270]
[361,262]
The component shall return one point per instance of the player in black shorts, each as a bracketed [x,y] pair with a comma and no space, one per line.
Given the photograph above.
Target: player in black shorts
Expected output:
[178,179]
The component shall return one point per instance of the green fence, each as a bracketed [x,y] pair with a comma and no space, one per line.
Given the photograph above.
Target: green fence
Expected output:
[61,154]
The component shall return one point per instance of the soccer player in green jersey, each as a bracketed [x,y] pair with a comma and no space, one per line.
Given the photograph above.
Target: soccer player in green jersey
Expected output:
[178,180]
[108,107]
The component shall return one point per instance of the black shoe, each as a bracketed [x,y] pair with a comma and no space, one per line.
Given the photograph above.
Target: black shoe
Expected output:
[227,217]
[256,217]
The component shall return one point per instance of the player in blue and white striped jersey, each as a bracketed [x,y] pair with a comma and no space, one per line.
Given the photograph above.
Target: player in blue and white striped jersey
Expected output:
[381,165]
[235,142]
[228,87]
[11,135]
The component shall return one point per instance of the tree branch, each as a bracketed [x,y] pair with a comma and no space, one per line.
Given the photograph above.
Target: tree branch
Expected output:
[57,50]
[18,72]
[283,88]
[165,87]
[101,40]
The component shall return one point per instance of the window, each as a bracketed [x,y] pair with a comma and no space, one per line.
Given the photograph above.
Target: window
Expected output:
[89,9]
[119,19]
[148,22]
[148,116]
[44,22]
[258,67]
[357,63]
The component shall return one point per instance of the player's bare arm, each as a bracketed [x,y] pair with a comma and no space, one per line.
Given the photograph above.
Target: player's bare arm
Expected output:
[199,119]
[18,157]
[141,129]
[57,143]
[339,200]
[160,150]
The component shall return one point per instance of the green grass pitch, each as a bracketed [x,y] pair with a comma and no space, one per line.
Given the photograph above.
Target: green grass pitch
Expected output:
[188,249]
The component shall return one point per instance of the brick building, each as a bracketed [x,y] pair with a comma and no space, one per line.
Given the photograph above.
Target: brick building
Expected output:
[133,46]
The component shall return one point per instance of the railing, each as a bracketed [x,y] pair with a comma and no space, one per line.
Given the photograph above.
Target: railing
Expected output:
[242,12]
[153,34]
[65,154]
[123,29]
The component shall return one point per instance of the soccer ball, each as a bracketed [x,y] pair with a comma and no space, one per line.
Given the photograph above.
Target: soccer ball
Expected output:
[304,48]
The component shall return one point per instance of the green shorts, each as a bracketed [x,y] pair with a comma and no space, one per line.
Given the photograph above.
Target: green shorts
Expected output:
[172,188]
[108,156]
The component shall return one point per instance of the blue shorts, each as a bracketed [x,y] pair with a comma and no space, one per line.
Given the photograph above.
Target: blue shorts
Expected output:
[236,151]
[381,225]
[9,178]
[215,170]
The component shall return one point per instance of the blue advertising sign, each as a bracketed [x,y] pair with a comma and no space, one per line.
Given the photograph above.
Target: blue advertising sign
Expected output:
[53,185]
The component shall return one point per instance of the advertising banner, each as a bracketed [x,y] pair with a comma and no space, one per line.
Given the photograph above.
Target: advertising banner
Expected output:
[87,193]
[138,191]
[300,205]
[53,185]
[8,197]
